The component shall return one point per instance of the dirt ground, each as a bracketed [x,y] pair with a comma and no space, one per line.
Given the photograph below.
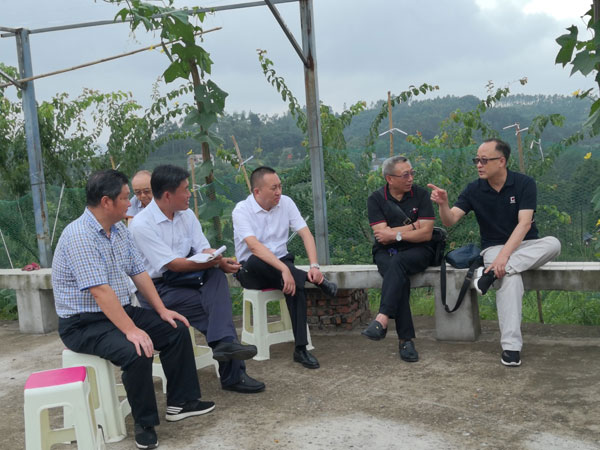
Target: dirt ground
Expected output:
[458,396]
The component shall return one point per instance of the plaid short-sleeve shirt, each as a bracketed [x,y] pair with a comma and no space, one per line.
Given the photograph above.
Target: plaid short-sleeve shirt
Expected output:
[86,257]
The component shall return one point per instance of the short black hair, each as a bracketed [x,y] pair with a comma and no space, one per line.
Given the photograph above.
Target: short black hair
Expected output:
[258,174]
[167,178]
[501,146]
[104,183]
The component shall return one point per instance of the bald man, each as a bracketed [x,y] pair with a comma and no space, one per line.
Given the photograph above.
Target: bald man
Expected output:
[142,192]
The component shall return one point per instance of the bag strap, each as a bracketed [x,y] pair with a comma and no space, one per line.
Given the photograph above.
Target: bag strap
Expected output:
[465,286]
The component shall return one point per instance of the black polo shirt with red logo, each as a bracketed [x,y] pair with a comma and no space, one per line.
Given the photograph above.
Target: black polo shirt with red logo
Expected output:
[383,208]
[497,213]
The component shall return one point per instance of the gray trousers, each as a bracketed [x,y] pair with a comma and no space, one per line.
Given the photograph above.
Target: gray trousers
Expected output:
[208,309]
[529,255]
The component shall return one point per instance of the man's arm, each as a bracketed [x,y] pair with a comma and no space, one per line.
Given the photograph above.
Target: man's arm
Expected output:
[144,284]
[314,275]
[420,233]
[525,218]
[448,215]
[266,255]
[111,307]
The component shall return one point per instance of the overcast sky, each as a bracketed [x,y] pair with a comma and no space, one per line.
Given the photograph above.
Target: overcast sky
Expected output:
[364,48]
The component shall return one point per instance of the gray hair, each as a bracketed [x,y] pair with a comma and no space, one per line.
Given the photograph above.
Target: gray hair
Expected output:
[389,164]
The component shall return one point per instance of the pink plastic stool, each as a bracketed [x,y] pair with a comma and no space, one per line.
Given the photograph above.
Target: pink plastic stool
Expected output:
[67,388]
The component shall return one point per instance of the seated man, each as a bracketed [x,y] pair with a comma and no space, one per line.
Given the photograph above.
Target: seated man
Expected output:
[401,216]
[167,232]
[141,191]
[93,259]
[504,204]
[261,226]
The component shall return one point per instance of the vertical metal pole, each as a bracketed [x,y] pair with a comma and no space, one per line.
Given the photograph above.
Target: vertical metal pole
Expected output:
[34,150]
[315,140]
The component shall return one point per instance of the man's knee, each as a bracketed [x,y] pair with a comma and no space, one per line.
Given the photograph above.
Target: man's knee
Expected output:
[553,245]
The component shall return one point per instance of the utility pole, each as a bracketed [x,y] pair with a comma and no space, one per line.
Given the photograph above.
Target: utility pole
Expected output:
[34,149]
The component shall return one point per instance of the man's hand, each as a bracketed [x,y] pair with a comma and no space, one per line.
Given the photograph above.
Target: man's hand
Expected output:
[142,342]
[171,316]
[498,265]
[229,265]
[385,235]
[289,285]
[438,195]
[315,276]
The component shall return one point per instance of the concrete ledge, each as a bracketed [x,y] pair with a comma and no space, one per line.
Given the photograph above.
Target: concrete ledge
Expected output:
[35,300]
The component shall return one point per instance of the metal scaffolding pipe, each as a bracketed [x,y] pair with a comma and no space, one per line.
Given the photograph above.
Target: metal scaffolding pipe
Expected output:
[313,124]
[34,150]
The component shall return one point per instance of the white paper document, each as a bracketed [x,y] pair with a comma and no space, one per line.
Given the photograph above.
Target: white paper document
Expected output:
[206,257]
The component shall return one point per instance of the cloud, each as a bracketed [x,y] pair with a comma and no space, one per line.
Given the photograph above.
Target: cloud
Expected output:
[363,49]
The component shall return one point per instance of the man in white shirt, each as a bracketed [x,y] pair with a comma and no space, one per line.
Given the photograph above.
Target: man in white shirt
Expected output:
[142,192]
[261,226]
[167,232]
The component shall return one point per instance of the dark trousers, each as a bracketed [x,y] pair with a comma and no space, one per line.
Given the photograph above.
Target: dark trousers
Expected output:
[396,268]
[257,274]
[208,309]
[94,334]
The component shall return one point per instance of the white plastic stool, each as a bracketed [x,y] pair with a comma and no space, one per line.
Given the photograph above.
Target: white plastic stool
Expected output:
[109,411]
[67,388]
[202,353]
[258,330]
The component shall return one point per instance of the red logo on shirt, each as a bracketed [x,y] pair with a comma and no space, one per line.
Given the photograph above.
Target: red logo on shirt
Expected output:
[513,200]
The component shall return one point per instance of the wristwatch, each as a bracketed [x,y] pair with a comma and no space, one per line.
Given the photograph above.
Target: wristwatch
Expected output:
[399,236]
[315,266]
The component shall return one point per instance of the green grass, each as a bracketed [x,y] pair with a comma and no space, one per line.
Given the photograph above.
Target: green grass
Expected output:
[8,304]
[575,308]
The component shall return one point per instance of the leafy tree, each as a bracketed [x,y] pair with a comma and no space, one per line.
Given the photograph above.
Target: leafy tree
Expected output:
[180,28]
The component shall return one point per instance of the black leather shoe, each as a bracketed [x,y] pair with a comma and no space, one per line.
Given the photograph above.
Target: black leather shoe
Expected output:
[305,358]
[246,385]
[408,352]
[328,287]
[226,351]
[374,331]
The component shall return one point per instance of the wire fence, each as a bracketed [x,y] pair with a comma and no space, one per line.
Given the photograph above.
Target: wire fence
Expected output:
[564,207]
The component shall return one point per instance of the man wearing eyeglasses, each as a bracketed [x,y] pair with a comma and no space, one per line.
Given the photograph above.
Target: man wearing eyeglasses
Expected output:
[401,216]
[504,203]
[142,192]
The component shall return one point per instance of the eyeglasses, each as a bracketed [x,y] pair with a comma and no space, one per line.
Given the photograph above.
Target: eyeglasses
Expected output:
[405,175]
[139,192]
[484,161]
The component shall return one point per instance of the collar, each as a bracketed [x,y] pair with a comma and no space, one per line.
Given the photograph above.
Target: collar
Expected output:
[386,188]
[510,180]
[160,216]
[91,220]
[256,208]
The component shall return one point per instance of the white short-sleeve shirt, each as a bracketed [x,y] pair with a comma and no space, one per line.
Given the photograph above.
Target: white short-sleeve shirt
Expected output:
[161,240]
[136,206]
[271,228]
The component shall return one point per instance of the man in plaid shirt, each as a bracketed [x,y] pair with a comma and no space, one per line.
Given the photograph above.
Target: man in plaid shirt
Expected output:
[93,260]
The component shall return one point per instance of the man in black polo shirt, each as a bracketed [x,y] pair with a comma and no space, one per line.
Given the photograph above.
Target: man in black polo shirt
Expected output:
[504,203]
[401,216]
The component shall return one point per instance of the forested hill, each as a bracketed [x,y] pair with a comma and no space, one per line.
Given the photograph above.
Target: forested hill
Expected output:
[277,139]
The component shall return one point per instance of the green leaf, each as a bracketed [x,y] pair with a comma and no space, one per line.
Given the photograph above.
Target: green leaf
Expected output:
[174,71]
[567,43]
[211,208]
[205,169]
[585,62]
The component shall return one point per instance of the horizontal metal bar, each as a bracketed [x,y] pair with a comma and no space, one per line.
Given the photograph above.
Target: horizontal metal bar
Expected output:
[9,78]
[112,22]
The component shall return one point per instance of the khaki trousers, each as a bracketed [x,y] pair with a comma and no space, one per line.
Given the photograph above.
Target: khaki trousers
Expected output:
[529,255]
